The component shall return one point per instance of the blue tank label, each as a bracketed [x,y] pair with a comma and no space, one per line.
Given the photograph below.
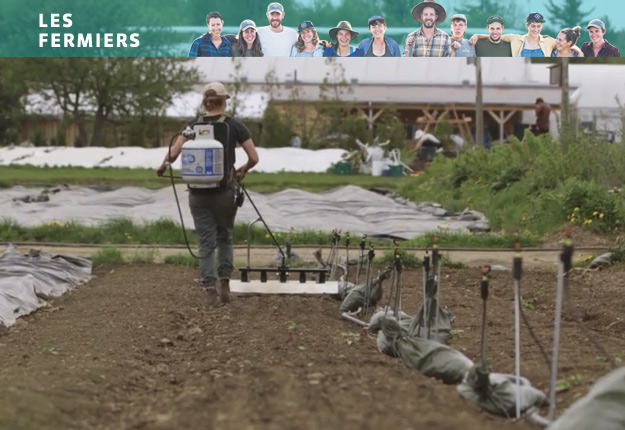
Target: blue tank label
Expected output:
[203,162]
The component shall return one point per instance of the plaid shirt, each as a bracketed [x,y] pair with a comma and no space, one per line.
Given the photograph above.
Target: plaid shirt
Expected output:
[606,51]
[203,47]
[417,44]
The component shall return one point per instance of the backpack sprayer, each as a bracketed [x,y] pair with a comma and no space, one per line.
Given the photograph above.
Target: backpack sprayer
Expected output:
[206,165]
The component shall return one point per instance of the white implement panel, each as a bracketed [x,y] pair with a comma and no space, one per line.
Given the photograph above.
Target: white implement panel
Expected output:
[276,287]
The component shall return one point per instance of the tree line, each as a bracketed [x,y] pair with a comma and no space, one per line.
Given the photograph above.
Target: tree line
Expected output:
[90,92]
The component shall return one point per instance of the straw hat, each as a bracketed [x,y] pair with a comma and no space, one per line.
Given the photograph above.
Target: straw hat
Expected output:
[417,11]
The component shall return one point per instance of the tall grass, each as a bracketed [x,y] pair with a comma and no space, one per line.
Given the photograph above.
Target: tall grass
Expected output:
[108,256]
[123,231]
[531,187]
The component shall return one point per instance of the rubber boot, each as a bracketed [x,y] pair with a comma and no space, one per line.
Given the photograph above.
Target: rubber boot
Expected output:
[224,290]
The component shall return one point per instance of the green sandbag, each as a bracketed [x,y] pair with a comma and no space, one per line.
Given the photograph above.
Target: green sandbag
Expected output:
[429,357]
[375,326]
[496,392]
[356,297]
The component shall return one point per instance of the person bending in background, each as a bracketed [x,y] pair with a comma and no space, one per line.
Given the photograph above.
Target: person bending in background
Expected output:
[543,112]
[214,209]
[565,42]
[247,43]
[211,44]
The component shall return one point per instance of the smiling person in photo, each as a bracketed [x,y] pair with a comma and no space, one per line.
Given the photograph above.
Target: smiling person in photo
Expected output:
[343,34]
[598,46]
[307,44]
[211,44]
[247,43]
[379,45]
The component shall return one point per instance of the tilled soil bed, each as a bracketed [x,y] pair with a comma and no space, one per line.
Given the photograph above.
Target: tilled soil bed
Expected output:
[140,348]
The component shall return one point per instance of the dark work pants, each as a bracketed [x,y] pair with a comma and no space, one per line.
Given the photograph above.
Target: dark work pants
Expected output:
[213,213]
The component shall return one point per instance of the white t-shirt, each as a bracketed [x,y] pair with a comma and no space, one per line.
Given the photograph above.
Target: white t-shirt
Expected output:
[276,44]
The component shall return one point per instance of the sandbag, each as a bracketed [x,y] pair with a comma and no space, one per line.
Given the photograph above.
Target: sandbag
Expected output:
[429,357]
[375,325]
[602,408]
[496,392]
[439,319]
[356,297]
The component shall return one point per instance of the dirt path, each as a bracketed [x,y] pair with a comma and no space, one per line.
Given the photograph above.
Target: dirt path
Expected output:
[139,348]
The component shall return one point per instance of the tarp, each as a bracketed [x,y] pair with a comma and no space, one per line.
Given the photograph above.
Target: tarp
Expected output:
[602,408]
[271,159]
[350,209]
[26,280]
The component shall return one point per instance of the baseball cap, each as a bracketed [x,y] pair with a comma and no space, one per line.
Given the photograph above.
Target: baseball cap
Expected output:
[494,18]
[275,7]
[597,23]
[377,18]
[460,16]
[247,23]
[535,17]
[306,25]
[216,89]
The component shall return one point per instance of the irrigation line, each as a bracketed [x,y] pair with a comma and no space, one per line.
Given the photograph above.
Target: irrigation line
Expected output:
[530,329]
[183,246]
[579,322]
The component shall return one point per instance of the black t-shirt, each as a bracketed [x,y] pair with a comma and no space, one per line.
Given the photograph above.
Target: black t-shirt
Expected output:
[235,133]
[486,48]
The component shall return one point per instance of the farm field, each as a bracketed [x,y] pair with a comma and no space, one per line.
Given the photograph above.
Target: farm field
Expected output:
[139,347]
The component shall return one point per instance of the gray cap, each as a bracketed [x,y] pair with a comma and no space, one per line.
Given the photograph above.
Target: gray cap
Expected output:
[248,23]
[458,16]
[597,23]
[275,7]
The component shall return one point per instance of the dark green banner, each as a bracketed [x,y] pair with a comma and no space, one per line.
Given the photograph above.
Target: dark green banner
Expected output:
[147,28]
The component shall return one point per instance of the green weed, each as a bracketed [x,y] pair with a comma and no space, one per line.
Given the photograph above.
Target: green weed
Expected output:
[108,256]
[409,259]
[182,260]
[142,256]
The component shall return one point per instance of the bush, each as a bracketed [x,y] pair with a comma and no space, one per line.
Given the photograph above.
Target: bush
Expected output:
[591,205]
[530,186]
[277,129]
[409,260]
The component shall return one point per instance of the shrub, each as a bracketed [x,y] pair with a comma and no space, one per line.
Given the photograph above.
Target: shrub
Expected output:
[591,205]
